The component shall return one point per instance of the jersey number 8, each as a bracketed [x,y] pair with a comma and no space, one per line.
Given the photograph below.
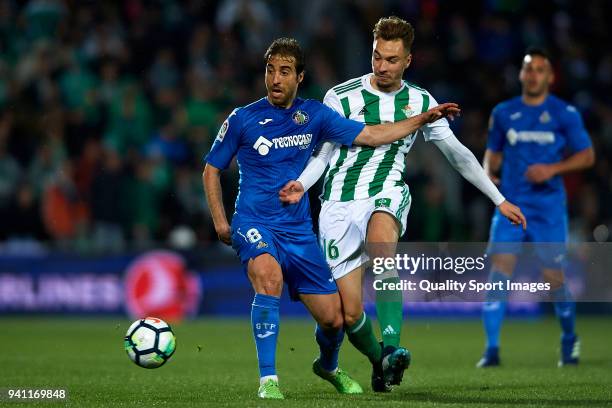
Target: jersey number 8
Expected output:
[253,235]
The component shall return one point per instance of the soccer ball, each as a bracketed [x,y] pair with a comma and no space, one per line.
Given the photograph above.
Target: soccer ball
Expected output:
[150,342]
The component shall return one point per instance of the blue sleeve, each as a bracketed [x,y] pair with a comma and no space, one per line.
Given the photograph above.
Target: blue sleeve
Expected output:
[226,144]
[577,137]
[338,129]
[495,139]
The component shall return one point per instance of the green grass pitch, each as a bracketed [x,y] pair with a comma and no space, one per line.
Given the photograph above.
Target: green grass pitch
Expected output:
[215,365]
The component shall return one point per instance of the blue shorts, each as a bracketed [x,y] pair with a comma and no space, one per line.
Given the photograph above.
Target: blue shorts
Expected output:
[305,270]
[546,232]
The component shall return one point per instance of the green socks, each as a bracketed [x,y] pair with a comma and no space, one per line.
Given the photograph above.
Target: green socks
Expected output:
[389,312]
[362,337]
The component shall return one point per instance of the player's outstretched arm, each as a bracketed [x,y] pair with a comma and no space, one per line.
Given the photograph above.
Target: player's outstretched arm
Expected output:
[386,133]
[294,190]
[214,196]
[463,160]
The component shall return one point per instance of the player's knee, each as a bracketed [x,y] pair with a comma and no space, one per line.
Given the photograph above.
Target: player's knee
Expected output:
[351,317]
[381,249]
[272,288]
[504,263]
[331,322]
[272,283]
[268,282]
[554,277]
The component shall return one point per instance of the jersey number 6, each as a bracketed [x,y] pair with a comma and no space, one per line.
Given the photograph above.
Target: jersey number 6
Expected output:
[331,251]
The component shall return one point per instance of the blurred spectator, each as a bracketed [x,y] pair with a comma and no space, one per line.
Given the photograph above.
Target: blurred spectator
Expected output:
[45,165]
[10,171]
[129,121]
[144,201]
[65,213]
[110,82]
[252,19]
[25,222]
[109,197]
[43,18]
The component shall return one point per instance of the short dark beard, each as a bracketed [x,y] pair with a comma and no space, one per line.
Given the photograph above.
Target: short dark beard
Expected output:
[387,88]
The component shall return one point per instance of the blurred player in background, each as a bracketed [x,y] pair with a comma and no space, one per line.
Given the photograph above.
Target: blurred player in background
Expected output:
[528,136]
[273,138]
[365,199]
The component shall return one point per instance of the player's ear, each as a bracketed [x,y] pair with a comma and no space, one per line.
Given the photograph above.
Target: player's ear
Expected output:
[300,77]
[408,60]
[551,77]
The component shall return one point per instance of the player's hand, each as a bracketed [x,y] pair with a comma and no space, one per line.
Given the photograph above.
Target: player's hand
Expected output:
[445,110]
[512,213]
[292,193]
[224,233]
[539,173]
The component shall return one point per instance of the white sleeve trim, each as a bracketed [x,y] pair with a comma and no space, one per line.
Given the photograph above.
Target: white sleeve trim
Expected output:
[316,165]
[463,160]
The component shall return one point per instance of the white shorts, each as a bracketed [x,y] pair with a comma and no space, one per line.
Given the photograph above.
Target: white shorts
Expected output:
[343,226]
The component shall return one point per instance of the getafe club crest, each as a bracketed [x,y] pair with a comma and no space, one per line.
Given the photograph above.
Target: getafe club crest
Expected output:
[545,117]
[300,117]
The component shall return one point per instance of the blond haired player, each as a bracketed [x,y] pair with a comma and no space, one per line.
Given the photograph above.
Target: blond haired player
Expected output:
[365,200]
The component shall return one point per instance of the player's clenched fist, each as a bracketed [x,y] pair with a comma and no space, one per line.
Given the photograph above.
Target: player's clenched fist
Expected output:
[225,234]
[292,192]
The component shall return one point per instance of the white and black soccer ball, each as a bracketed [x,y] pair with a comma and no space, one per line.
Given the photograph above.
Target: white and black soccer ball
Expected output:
[150,342]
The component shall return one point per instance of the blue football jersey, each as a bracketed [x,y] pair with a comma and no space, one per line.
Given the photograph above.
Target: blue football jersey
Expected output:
[528,135]
[273,146]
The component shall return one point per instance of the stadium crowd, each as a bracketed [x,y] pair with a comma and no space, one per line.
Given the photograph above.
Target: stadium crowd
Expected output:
[107,108]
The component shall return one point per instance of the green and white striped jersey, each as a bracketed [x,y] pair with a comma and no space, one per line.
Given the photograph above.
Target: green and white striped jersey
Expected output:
[359,172]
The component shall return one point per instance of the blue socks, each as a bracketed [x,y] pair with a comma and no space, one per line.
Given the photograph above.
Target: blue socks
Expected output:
[494,309]
[265,324]
[329,345]
[565,309]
